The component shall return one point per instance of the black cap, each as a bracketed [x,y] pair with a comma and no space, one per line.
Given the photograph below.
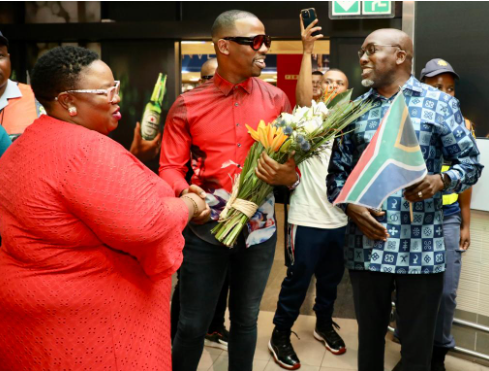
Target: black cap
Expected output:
[436,67]
[3,40]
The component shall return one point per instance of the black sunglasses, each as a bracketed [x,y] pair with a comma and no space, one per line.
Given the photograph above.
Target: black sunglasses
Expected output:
[255,42]
[208,77]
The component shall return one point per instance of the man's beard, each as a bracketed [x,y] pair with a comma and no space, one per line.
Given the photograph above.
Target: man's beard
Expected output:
[367,83]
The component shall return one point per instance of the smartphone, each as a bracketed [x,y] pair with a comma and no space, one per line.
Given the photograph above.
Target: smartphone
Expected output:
[308,16]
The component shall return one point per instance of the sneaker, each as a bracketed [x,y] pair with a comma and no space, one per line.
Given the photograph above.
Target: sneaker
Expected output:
[282,351]
[331,339]
[217,339]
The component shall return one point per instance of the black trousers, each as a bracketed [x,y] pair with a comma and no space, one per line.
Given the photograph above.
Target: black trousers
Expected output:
[417,302]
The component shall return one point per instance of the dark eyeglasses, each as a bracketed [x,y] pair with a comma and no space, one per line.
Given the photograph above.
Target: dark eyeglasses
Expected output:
[255,42]
[372,48]
[208,77]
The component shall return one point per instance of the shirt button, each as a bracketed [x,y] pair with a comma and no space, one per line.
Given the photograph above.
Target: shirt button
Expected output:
[239,144]
[236,104]
[237,124]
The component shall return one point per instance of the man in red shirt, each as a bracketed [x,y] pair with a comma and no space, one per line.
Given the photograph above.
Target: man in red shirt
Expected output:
[207,126]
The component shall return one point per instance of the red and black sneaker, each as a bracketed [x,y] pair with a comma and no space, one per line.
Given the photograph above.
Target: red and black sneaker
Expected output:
[282,351]
[217,339]
[331,339]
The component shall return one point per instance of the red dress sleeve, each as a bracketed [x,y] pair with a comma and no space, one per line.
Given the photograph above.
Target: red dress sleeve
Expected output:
[125,205]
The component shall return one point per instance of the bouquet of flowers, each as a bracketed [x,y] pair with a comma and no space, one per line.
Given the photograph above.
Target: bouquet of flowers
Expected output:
[302,134]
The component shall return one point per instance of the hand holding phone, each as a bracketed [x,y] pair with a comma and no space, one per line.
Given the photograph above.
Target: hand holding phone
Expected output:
[311,32]
[309,16]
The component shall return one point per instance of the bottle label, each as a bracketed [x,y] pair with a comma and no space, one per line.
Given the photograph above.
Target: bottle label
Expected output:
[150,125]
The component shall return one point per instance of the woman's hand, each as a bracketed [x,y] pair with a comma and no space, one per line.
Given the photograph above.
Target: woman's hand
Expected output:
[199,211]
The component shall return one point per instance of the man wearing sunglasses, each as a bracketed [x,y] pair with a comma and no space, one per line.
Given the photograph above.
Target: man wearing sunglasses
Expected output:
[208,124]
[208,70]
[390,250]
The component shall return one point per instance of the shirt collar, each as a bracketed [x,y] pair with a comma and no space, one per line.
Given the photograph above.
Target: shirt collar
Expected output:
[12,91]
[412,85]
[226,87]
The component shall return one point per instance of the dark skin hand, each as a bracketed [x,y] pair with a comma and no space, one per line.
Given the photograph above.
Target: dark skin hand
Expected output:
[275,174]
[364,219]
[429,186]
[205,215]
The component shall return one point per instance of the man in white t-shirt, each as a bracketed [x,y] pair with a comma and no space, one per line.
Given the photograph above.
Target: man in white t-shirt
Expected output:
[315,240]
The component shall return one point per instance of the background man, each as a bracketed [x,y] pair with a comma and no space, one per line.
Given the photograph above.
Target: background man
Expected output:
[317,85]
[208,70]
[334,80]
[316,236]
[209,121]
[18,106]
[385,249]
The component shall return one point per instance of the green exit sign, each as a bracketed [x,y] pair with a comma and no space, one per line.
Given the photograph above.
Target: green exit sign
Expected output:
[361,9]
[376,7]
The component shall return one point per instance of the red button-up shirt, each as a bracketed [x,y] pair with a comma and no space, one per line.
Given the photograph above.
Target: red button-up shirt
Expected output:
[208,123]
[207,126]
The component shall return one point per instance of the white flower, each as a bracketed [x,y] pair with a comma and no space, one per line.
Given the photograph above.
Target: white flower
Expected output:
[310,126]
[288,118]
[321,109]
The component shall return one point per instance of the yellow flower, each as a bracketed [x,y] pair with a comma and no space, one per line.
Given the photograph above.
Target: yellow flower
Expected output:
[268,135]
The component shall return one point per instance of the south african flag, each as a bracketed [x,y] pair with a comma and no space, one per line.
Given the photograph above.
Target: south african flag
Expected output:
[392,161]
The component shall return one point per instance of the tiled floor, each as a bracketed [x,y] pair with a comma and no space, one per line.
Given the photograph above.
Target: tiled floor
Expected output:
[313,355]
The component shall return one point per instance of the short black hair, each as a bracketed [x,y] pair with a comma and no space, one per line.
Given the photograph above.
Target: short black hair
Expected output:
[317,73]
[226,20]
[59,70]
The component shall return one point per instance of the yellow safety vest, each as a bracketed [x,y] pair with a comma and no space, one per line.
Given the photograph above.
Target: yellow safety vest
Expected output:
[452,197]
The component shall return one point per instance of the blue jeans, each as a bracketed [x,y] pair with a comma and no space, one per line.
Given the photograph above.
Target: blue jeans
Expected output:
[202,274]
[451,232]
[317,252]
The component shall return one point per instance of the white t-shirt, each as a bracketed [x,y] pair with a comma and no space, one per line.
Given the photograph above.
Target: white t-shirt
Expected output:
[309,206]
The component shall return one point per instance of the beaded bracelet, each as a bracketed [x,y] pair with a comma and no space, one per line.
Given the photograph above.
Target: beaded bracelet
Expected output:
[196,207]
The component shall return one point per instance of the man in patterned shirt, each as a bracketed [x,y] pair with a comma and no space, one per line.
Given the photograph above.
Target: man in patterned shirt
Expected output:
[386,250]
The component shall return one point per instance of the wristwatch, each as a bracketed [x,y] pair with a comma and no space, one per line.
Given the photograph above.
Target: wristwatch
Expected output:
[296,184]
[446,180]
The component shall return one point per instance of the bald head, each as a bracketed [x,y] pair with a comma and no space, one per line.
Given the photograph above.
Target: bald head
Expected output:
[209,67]
[393,36]
[225,23]
[386,60]
[335,80]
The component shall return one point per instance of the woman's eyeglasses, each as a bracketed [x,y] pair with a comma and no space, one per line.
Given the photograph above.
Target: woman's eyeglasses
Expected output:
[110,92]
[255,42]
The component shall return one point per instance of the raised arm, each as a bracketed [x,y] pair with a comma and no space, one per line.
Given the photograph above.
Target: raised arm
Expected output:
[303,91]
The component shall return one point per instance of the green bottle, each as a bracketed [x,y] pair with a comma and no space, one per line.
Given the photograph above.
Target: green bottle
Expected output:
[150,123]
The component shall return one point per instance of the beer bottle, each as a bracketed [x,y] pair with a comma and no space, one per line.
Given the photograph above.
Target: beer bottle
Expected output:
[150,122]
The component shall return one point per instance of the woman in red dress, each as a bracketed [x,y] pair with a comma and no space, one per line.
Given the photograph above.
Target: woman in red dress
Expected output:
[91,237]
